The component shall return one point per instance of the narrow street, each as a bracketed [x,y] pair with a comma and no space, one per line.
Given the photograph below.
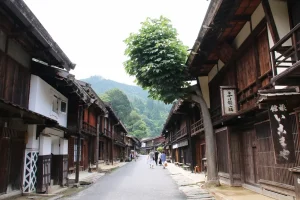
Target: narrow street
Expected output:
[134,181]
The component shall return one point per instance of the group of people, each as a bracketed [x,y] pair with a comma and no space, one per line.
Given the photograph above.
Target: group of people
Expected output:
[157,158]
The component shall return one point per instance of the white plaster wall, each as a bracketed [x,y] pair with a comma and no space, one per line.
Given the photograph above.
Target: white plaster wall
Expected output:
[257,16]
[220,65]
[281,17]
[242,36]
[18,53]
[212,73]
[41,98]
[63,146]
[32,142]
[2,40]
[203,80]
[45,145]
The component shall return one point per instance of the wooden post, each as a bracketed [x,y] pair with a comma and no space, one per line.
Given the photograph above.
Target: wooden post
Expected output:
[112,145]
[191,152]
[97,141]
[90,146]
[79,125]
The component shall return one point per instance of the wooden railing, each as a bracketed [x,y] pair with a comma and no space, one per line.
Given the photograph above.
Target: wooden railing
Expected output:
[182,132]
[284,56]
[119,137]
[197,127]
[107,133]
[89,129]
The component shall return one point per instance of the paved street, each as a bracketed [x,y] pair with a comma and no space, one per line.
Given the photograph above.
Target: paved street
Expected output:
[133,181]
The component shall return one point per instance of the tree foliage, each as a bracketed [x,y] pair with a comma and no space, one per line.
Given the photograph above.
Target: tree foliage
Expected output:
[156,59]
[119,102]
[145,118]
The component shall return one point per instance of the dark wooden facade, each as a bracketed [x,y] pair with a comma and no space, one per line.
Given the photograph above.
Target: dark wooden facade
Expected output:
[185,142]
[248,43]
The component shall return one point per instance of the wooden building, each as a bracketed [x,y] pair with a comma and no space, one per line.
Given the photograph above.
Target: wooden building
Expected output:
[151,144]
[184,136]
[246,61]
[132,144]
[112,137]
[23,43]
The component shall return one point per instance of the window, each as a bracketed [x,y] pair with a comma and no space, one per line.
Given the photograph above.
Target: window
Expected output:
[75,151]
[55,104]
[63,107]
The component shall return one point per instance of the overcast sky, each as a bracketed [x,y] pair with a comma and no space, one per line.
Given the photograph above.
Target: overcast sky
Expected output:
[91,32]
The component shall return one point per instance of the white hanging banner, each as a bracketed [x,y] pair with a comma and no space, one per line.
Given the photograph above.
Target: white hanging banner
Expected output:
[229,100]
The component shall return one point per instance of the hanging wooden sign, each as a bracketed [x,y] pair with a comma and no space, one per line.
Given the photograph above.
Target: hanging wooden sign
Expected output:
[229,100]
[281,133]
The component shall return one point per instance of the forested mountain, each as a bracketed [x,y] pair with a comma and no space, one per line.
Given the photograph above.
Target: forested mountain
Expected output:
[142,116]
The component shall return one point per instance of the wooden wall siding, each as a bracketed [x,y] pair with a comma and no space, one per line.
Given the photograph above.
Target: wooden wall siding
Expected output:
[92,118]
[246,78]
[86,115]
[222,151]
[71,152]
[264,58]
[85,155]
[249,156]
[228,78]
[267,169]
[14,81]
[235,148]
[12,147]
[89,117]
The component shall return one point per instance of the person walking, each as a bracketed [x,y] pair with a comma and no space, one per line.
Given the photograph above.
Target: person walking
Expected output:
[151,158]
[163,158]
[156,157]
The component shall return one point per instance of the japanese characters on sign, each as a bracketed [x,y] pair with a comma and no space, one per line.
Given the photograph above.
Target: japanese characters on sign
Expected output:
[229,104]
[281,133]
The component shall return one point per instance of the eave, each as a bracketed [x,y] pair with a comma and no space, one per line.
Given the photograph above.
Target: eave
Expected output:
[29,22]
[225,18]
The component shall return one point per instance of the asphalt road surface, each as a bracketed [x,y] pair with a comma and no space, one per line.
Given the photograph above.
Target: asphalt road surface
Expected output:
[134,181]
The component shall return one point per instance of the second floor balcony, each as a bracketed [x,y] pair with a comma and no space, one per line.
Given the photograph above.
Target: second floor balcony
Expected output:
[286,59]
[179,134]
[197,127]
[107,133]
[87,128]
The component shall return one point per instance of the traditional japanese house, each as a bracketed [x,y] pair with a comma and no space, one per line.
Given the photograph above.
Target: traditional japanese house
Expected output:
[151,144]
[183,132]
[245,60]
[91,127]
[23,41]
[112,137]
[132,144]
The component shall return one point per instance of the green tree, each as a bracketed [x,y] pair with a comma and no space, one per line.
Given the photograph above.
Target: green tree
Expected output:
[157,60]
[119,102]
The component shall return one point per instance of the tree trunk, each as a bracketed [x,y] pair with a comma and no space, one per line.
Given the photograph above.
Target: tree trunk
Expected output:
[212,171]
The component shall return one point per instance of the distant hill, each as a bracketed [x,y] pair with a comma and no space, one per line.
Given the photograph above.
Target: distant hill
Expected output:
[153,113]
[101,85]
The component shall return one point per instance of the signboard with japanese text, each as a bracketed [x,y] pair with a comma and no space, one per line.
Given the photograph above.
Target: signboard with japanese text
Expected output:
[281,131]
[229,102]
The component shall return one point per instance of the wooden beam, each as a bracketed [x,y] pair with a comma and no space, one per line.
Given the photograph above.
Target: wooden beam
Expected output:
[241,18]
[270,20]
[225,51]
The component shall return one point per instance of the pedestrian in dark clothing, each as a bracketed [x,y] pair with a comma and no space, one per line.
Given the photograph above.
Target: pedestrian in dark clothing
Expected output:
[156,157]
